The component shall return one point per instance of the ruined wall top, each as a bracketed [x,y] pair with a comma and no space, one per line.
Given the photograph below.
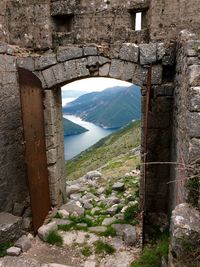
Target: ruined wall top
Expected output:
[44,24]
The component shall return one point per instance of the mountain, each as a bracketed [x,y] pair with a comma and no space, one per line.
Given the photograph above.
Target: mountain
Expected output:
[103,152]
[72,93]
[71,128]
[112,108]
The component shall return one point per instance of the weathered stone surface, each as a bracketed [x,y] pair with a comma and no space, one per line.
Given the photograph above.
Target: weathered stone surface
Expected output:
[129,52]
[44,230]
[147,53]
[120,228]
[45,61]
[18,209]
[66,53]
[63,213]
[61,221]
[108,221]
[10,227]
[104,70]
[129,235]
[90,264]
[90,51]
[73,189]
[185,230]
[194,75]
[24,243]
[26,63]
[13,251]
[73,206]
[116,69]
[97,229]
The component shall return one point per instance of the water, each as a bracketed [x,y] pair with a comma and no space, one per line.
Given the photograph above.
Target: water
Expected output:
[75,144]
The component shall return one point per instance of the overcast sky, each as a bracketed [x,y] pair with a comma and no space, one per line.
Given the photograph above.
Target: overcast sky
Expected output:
[94,84]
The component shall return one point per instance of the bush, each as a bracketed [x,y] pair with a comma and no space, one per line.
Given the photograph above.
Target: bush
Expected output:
[4,247]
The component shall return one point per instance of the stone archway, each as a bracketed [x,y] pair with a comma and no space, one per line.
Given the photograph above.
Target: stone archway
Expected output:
[128,62]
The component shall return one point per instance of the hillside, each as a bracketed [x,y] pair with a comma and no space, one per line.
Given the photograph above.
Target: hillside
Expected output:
[71,128]
[72,93]
[112,108]
[105,151]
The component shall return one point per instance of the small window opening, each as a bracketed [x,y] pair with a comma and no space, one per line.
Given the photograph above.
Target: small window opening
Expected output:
[63,23]
[139,20]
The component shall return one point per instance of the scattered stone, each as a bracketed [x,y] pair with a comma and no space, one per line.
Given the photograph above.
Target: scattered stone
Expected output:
[61,221]
[100,190]
[112,210]
[93,175]
[108,221]
[73,207]
[111,200]
[121,227]
[118,186]
[90,196]
[97,229]
[10,227]
[44,230]
[95,210]
[75,196]
[73,189]
[13,251]
[129,235]
[23,243]
[87,205]
[82,224]
[63,213]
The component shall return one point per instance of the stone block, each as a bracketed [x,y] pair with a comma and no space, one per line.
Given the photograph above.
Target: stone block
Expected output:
[140,76]
[97,229]
[59,72]
[108,221]
[104,70]
[148,53]
[194,148]
[116,69]
[129,52]
[103,60]
[10,227]
[90,51]
[70,67]
[81,69]
[26,63]
[169,57]
[44,230]
[63,7]
[128,71]
[3,48]
[66,53]
[161,50]
[24,243]
[45,61]
[194,99]
[156,74]
[49,77]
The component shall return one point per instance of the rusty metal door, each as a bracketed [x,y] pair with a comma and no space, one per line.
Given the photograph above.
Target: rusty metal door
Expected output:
[35,149]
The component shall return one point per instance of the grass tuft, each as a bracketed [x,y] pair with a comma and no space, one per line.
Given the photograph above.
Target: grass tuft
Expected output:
[110,231]
[4,247]
[54,238]
[103,248]
[86,251]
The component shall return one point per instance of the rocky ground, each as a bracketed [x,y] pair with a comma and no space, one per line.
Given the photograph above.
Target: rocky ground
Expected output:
[99,226]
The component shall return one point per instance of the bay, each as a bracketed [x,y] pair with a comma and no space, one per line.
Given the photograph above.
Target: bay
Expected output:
[75,144]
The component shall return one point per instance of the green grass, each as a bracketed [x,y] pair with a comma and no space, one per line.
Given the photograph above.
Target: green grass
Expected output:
[109,232]
[54,238]
[4,247]
[58,216]
[102,152]
[151,257]
[130,213]
[103,248]
[86,251]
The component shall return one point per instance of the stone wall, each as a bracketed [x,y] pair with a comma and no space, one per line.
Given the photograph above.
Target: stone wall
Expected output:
[186,131]
[169,17]
[13,187]
[3,21]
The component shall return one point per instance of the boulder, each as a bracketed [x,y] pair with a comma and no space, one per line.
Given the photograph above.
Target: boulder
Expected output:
[118,186]
[44,230]
[13,251]
[73,189]
[24,243]
[129,235]
[10,227]
[73,207]
[185,230]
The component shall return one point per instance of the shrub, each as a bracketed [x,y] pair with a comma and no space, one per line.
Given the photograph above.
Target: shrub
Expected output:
[103,248]
[4,247]
[86,251]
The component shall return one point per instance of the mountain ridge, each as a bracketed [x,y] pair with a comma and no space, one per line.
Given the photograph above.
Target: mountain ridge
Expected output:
[111,108]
